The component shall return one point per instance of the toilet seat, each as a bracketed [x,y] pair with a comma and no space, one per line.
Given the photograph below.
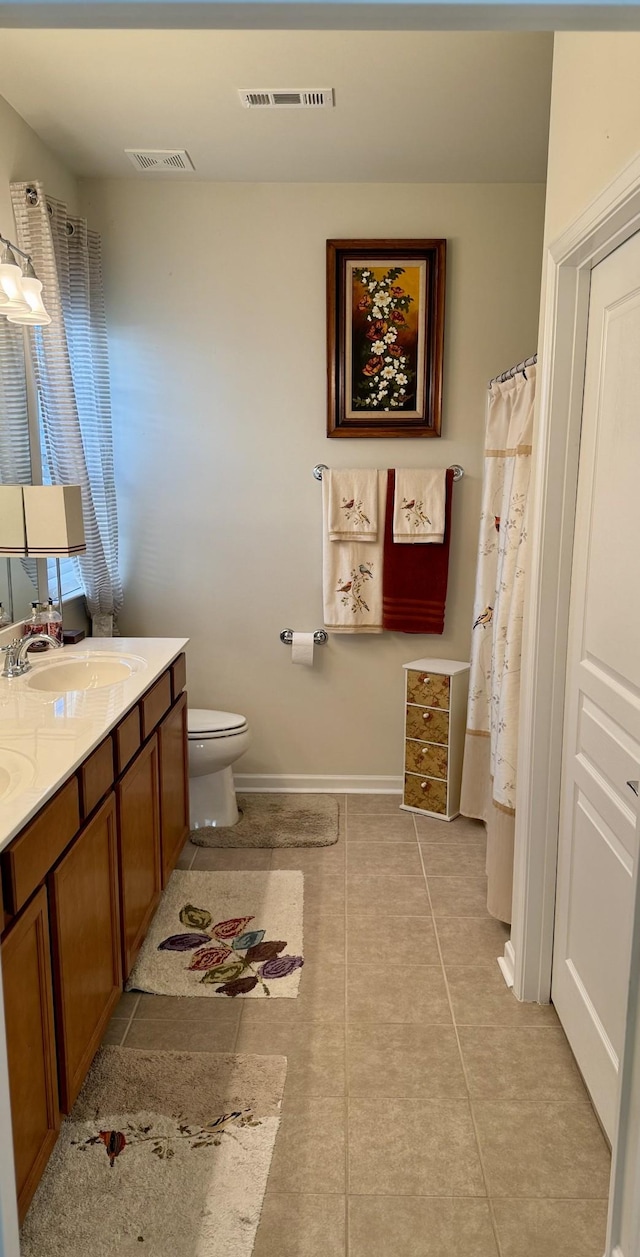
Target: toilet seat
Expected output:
[203,724]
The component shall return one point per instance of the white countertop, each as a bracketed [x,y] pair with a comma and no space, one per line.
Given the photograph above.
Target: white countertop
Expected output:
[57,731]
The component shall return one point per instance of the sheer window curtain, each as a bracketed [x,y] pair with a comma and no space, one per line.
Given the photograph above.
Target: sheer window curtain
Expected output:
[72,378]
[491,744]
[15,447]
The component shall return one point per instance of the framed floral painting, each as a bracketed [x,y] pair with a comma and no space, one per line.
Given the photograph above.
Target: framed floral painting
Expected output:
[385,337]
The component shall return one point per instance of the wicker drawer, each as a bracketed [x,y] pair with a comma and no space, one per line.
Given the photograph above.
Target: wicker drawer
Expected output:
[427,724]
[425,793]
[430,689]
[422,757]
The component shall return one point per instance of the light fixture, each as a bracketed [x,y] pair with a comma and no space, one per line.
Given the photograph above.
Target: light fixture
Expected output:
[32,289]
[20,294]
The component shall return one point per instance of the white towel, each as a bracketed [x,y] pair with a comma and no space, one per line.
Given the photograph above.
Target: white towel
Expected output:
[353,504]
[418,506]
[352,573]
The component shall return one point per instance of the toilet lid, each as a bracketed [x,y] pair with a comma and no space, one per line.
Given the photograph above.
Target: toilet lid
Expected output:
[202,721]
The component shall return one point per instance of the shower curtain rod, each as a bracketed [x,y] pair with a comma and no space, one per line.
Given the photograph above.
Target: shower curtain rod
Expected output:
[508,375]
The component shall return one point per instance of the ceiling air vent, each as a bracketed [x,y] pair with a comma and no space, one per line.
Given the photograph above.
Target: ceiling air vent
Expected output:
[147,159]
[287,98]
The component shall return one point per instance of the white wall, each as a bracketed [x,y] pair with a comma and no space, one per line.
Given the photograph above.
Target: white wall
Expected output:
[595,119]
[216,316]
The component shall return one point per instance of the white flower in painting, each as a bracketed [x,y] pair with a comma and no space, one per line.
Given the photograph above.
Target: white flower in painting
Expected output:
[376,313]
[378,348]
[388,373]
[383,392]
[402,379]
[382,298]
[402,392]
[390,337]
[365,274]
[373,286]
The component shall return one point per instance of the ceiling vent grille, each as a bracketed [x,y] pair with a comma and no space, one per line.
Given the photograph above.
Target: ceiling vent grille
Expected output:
[287,98]
[148,159]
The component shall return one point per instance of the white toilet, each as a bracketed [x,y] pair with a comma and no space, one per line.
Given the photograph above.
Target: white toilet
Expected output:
[216,740]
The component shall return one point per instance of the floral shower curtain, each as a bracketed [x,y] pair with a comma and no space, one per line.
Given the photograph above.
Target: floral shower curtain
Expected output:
[72,376]
[491,744]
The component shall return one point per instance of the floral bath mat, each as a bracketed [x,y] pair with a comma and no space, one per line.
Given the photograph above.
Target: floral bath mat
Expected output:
[164,1153]
[224,934]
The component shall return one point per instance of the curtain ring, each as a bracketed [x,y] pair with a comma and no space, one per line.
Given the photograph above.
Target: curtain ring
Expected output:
[71,231]
[31,196]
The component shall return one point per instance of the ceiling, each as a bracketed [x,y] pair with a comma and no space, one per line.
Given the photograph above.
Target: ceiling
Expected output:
[425,106]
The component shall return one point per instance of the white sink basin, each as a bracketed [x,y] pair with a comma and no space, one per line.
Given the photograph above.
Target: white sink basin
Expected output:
[16,773]
[86,672]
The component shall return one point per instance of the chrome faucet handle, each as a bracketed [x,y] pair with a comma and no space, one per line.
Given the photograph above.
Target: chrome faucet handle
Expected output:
[12,666]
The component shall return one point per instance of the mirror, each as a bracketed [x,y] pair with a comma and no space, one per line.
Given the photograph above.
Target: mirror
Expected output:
[17,576]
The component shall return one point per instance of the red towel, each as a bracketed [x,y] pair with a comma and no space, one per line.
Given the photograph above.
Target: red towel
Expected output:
[414,579]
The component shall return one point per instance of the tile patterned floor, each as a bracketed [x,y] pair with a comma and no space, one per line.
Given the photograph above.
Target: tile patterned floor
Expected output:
[426,1112]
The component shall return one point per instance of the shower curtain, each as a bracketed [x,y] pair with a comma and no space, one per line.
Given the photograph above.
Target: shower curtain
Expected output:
[491,744]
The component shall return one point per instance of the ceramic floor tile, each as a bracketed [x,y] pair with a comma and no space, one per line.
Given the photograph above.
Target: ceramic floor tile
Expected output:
[185,1008]
[471,940]
[402,858]
[542,1149]
[458,896]
[417,996]
[387,828]
[462,829]
[315,1055]
[413,1148]
[542,1228]
[324,939]
[309,1154]
[182,1036]
[458,860]
[480,997]
[211,858]
[301,1226]
[368,938]
[321,999]
[115,1032]
[371,895]
[526,1064]
[372,804]
[404,1061]
[405,1226]
[323,895]
[185,859]
[311,859]
[127,1004]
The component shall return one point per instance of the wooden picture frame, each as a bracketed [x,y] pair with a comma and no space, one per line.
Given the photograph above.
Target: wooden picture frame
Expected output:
[385,337]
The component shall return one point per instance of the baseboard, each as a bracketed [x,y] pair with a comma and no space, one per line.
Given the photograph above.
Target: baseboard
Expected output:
[507,963]
[276,783]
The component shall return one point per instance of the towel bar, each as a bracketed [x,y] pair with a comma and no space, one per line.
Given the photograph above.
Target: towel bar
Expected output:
[458,471]
[319,637]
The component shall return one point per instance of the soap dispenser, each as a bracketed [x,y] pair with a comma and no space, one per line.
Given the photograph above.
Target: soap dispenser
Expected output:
[35,624]
[53,622]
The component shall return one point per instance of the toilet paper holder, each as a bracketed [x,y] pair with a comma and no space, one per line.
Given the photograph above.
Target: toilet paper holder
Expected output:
[319,637]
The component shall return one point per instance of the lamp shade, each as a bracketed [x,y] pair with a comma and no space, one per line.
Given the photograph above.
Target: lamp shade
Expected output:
[12,298]
[12,530]
[54,522]
[37,315]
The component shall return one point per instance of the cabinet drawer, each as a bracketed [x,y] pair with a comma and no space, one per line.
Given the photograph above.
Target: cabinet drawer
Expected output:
[128,739]
[96,776]
[422,757]
[431,689]
[428,724]
[27,861]
[178,676]
[154,704]
[425,793]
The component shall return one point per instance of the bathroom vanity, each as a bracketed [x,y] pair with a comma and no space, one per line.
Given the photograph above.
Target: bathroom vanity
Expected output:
[94,814]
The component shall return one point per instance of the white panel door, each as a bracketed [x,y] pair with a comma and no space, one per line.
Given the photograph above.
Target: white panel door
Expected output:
[598,843]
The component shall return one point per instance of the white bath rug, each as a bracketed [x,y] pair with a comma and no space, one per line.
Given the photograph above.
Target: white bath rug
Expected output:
[163,1153]
[224,934]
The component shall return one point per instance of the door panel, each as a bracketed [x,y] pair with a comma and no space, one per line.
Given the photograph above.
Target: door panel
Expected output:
[174,785]
[597,841]
[140,856]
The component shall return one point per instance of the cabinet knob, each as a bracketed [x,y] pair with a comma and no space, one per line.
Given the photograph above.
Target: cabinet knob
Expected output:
[426,715]
[424,750]
[423,785]
[425,680]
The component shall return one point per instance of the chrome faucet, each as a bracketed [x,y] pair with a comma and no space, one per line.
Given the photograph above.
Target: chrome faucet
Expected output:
[16,662]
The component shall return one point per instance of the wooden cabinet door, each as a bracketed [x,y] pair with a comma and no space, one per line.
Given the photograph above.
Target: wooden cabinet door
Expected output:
[174,785]
[85,930]
[139,849]
[26,976]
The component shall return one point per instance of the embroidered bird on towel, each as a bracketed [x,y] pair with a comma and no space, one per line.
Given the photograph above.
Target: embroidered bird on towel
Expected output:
[346,506]
[485,617]
[365,571]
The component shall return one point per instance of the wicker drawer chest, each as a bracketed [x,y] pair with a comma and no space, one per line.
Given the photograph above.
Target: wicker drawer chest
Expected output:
[435,720]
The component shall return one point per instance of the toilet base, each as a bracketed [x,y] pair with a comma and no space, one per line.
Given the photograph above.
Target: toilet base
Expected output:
[212,801]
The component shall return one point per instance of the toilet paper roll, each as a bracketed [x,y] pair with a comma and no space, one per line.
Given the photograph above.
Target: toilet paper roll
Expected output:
[302,648]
